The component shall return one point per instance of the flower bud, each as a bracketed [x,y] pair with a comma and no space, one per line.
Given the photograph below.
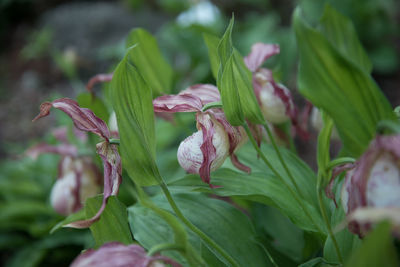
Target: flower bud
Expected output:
[79,180]
[190,154]
[375,180]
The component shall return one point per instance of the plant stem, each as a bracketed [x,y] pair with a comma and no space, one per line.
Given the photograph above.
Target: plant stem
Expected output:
[113,141]
[261,154]
[325,217]
[165,246]
[339,161]
[192,227]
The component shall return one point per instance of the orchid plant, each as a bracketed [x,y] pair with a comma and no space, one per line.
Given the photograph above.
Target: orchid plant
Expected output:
[223,214]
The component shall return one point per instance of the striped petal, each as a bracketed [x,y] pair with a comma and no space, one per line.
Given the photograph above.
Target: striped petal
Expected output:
[119,255]
[259,53]
[83,118]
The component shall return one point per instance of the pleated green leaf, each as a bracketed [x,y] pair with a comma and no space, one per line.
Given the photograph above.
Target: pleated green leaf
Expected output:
[345,91]
[226,225]
[132,102]
[235,84]
[113,223]
[263,186]
[212,42]
[339,30]
[149,61]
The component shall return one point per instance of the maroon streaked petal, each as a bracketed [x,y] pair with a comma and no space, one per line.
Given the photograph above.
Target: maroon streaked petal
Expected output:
[83,118]
[206,125]
[112,180]
[63,150]
[335,172]
[207,93]
[235,161]
[177,103]
[99,78]
[259,53]
[119,255]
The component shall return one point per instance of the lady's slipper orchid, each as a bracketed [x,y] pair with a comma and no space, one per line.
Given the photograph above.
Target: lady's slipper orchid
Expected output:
[215,140]
[275,99]
[85,120]
[78,180]
[373,183]
[119,255]
[78,177]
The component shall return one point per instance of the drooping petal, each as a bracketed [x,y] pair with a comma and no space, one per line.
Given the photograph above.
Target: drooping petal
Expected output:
[83,118]
[112,179]
[99,78]
[207,147]
[62,149]
[177,103]
[119,255]
[335,173]
[259,53]
[207,93]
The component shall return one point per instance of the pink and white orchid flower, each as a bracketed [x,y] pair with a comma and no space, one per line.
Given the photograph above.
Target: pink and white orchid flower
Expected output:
[119,255]
[275,99]
[85,120]
[374,185]
[215,140]
[78,177]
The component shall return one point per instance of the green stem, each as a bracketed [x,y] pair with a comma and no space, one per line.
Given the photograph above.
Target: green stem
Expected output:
[325,217]
[339,161]
[261,154]
[161,247]
[212,105]
[192,227]
[113,141]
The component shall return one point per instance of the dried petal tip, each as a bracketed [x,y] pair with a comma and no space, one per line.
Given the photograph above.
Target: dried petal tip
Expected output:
[119,255]
[44,110]
[99,78]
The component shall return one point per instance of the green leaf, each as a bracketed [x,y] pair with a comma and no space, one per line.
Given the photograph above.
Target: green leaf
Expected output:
[132,102]
[235,84]
[226,225]
[147,58]
[316,262]
[346,92]
[77,216]
[340,32]
[377,249]
[95,104]
[212,42]
[112,225]
[262,185]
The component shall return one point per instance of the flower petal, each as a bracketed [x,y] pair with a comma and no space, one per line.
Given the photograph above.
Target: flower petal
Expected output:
[177,103]
[99,78]
[63,150]
[259,53]
[83,118]
[119,255]
[207,148]
[207,93]
[112,180]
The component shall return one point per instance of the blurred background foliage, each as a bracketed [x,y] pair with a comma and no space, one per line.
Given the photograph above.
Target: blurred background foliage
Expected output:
[50,49]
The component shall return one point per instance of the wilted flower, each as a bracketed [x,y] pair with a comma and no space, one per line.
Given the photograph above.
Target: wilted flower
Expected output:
[119,255]
[373,183]
[215,140]
[275,99]
[85,120]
